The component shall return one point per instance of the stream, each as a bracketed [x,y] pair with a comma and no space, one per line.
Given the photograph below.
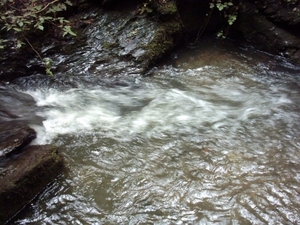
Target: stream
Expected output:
[211,136]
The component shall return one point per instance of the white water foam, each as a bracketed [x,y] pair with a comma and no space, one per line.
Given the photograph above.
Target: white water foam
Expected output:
[125,111]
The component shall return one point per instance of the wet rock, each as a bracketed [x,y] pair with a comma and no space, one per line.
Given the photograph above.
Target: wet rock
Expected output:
[268,25]
[272,26]
[282,12]
[15,105]
[24,170]
[16,111]
[23,177]
[111,42]
[123,40]
[199,19]
[14,136]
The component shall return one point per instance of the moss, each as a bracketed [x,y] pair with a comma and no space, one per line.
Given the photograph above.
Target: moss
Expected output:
[168,8]
[109,45]
[159,44]
[163,40]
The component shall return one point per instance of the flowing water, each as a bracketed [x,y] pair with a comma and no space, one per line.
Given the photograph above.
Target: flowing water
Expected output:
[211,137]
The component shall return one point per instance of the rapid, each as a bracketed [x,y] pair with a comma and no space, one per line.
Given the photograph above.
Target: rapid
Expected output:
[210,136]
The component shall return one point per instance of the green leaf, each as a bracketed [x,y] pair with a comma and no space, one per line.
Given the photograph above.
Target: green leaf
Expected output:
[62,6]
[19,44]
[62,20]
[231,19]
[40,27]
[2,43]
[17,29]
[220,34]
[20,23]
[49,72]
[68,3]
[67,30]
[37,8]
[220,6]
[48,18]
[50,11]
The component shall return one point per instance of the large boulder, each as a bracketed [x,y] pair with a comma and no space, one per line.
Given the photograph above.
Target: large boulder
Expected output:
[115,39]
[269,25]
[25,175]
[131,35]
[272,26]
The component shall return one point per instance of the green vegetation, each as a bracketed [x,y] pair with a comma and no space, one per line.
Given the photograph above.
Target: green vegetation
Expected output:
[20,18]
[162,7]
[229,10]
[146,8]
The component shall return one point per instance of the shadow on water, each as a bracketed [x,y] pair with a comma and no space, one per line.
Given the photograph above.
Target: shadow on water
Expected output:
[211,137]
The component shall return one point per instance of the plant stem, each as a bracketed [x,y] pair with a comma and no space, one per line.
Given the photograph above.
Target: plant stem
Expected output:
[38,54]
[46,6]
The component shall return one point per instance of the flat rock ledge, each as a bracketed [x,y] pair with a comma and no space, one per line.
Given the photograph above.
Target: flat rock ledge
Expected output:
[24,171]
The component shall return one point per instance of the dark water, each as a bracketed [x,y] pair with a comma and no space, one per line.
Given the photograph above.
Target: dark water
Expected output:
[211,137]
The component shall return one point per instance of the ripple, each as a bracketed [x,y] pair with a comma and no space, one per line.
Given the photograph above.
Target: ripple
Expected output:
[193,144]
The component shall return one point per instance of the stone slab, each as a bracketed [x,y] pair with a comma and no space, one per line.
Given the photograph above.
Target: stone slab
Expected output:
[25,176]
[13,137]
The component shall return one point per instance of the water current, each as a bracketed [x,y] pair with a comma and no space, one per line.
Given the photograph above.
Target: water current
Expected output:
[212,136]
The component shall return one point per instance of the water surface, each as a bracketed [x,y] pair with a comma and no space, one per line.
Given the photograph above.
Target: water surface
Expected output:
[211,137]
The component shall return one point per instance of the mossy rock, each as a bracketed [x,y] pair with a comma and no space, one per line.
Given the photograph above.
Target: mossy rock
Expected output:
[25,176]
[167,8]
[166,36]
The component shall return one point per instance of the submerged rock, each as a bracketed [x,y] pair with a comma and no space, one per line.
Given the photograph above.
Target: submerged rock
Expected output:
[26,175]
